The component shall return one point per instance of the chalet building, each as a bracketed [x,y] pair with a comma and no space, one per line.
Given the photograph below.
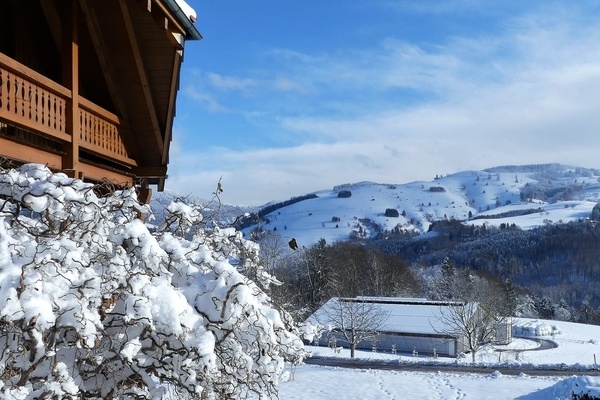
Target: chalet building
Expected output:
[88,87]
[410,325]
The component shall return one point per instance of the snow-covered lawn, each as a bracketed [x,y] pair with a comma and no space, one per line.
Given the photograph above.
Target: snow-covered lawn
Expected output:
[577,344]
[314,383]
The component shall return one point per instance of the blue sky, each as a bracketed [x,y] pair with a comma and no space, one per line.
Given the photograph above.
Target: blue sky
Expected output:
[283,98]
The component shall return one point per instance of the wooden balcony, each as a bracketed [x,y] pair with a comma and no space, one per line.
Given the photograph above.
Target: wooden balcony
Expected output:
[31,102]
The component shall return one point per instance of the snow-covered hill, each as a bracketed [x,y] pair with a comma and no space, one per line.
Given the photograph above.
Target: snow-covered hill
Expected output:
[527,196]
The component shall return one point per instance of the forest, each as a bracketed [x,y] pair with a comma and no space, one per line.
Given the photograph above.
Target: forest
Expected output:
[547,272]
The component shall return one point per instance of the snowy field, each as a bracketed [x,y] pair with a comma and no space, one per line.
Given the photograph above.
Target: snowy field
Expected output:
[577,345]
[314,383]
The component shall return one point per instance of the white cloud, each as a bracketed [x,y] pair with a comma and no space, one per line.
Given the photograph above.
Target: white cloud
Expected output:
[230,82]
[210,103]
[291,85]
[526,95]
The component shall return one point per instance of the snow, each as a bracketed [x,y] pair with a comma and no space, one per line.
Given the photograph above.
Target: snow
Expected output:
[534,328]
[187,10]
[577,344]
[474,197]
[402,315]
[337,383]
[85,262]
[91,299]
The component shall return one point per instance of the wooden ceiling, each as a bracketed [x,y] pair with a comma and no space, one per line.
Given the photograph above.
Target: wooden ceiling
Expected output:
[130,54]
[140,58]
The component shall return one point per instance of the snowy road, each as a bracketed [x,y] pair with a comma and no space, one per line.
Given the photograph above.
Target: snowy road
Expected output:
[544,344]
[444,367]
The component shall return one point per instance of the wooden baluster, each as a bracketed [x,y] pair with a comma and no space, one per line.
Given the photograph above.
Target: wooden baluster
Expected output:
[9,84]
[35,104]
[15,95]
[2,88]
[94,129]
[108,128]
[51,111]
[28,94]
[82,117]
[22,105]
[43,108]
[62,116]
[90,136]
[101,128]
[111,142]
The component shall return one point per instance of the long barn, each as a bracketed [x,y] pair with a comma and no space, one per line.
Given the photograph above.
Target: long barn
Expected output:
[410,324]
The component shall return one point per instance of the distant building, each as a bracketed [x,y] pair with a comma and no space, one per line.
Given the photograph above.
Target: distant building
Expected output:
[412,324]
[89,87]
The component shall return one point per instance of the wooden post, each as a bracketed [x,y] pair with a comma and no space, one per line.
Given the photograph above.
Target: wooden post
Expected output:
[71,80]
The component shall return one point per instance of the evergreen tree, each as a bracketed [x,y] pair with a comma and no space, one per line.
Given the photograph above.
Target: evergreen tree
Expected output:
[448,282]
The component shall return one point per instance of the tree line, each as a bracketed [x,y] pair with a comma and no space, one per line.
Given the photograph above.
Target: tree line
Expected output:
[311,276]
[556,265]
[549,272]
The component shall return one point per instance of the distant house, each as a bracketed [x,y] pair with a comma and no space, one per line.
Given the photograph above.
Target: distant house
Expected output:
[412,324]
[89,87]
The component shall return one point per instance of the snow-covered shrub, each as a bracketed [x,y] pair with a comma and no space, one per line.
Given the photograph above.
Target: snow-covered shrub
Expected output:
[94,305]
[534,328]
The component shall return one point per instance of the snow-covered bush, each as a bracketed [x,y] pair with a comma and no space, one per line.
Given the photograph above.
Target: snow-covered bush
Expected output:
[533,328]
[94,305]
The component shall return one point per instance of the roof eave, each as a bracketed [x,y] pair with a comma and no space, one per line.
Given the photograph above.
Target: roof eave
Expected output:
[191,33]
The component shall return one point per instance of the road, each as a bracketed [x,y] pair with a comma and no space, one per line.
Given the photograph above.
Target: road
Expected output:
[544,344]
[395,365]
[443,367]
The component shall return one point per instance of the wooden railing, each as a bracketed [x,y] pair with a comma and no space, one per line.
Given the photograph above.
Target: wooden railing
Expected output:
[101,132]
[33,102]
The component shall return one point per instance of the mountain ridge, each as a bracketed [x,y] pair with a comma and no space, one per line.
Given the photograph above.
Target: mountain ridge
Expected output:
[561,193]
[367,209]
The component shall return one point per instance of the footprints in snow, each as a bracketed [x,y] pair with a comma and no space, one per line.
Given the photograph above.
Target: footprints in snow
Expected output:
[444,389]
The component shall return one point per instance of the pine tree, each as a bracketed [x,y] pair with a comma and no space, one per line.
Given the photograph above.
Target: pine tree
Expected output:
[448,279]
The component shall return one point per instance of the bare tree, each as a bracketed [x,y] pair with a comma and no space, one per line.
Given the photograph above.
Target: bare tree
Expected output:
[273,250]
[471,323]
[355,319]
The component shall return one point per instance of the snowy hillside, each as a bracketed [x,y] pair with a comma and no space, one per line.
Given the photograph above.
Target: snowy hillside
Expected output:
[527,196]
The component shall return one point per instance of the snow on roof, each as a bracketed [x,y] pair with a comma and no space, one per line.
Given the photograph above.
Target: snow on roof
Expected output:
[187,10]
[401,300]
[186,15]
[405,315]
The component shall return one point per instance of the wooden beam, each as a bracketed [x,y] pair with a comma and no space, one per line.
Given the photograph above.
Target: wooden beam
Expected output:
[71,78]
[137,56]
[97,173]
[165,22]
[150,172]
[93,26]
[26,154]
[167,13]
[171,107]
[54,22]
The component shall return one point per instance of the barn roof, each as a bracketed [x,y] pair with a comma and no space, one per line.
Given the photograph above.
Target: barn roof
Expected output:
[413,316]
